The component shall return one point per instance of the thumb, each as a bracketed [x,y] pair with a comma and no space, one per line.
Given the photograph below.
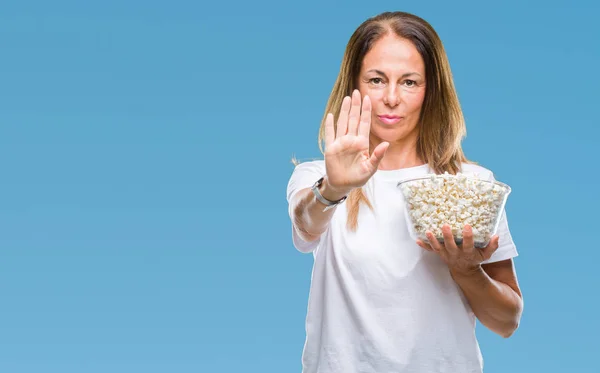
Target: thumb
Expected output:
[378,154]
[491,247]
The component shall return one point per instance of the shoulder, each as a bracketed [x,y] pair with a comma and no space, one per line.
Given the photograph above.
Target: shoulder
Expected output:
[304,175]
[309,169]
[476,170]
[314,165]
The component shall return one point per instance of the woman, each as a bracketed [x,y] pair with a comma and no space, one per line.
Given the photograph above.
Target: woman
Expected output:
[380,302]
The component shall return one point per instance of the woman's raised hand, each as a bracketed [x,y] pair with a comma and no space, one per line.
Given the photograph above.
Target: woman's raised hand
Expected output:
[348,161]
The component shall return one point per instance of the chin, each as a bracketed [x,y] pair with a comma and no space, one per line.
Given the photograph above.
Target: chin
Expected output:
[392,135]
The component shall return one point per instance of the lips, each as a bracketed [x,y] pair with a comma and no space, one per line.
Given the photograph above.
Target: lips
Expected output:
[389,119]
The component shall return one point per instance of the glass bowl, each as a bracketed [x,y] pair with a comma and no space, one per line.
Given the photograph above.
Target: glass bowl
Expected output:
[434,200]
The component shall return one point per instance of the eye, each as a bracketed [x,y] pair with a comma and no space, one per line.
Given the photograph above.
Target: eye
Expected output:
[376,81]
[410,83]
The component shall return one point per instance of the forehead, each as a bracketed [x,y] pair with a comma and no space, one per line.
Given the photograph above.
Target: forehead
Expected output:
[393,53]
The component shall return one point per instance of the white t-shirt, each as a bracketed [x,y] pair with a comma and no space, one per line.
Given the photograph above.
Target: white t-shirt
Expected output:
[378,302]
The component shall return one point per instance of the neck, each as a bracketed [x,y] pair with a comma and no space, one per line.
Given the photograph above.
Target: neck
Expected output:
[399,155]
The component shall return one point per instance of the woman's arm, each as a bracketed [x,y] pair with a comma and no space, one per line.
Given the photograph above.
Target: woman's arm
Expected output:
[309,219]
[491,288]
[494,295]
[348,161]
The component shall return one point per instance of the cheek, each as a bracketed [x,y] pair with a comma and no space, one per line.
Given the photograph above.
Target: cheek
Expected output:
[374,94]
[411,103]
[414,101]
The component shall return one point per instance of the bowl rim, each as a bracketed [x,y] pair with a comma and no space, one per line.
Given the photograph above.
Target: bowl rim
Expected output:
[427,177]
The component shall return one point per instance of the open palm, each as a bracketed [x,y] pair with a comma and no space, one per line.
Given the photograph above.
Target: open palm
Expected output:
[348,161]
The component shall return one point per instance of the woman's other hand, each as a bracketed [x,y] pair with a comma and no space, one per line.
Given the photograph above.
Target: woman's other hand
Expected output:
[461,259]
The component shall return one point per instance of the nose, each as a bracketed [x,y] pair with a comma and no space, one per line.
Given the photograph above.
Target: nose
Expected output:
[391,96]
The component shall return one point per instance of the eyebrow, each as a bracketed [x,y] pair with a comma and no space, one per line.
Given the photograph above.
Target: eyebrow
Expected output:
[383,74]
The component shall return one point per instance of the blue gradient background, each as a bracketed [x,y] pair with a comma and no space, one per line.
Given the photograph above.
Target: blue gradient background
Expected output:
[145,150]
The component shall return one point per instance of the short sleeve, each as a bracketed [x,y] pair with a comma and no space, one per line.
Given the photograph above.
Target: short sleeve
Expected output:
[304,176]
[507,248]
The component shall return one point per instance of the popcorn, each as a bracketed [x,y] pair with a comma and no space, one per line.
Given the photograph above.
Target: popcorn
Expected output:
[455,200]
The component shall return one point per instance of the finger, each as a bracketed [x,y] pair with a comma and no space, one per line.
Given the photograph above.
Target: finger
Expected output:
[378,155]
[433,242]
[354,117]
[449,243]
[342,123]
[364,127]
[467,238]
[329,131]
[424,245]
[490,248]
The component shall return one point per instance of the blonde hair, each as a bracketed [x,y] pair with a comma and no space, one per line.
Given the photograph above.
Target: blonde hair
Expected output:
[441,123]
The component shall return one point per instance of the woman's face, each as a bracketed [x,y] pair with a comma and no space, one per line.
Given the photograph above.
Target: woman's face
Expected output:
[393,76]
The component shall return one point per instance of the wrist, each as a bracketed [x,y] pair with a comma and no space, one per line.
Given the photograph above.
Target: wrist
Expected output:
[465,273]
[331,193]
